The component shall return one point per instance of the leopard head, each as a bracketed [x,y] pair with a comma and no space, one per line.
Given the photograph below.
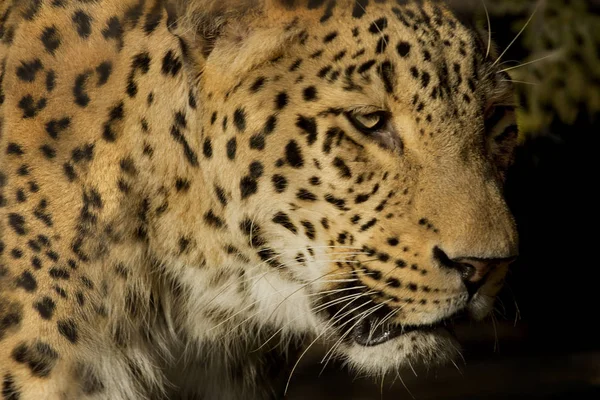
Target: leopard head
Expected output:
[361,148]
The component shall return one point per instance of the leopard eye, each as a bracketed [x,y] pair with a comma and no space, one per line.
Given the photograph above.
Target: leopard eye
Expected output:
[495,114]
[369,123]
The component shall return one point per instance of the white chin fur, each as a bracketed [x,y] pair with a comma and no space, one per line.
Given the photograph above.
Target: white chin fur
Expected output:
[430,348]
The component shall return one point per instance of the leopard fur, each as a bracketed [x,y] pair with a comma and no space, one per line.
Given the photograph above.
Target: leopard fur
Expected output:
[191,191]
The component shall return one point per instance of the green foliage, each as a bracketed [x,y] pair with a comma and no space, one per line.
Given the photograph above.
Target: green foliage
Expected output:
[562,45]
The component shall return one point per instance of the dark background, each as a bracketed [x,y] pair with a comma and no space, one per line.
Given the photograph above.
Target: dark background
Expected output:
[547,343]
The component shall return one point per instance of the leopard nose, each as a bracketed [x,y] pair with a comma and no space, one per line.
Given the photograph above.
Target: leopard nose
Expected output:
[473,270]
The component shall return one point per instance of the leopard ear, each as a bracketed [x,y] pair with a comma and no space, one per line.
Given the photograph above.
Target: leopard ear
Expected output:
[232,35]
[202,22]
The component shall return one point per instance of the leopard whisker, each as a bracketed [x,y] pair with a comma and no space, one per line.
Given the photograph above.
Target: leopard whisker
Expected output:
[343,280]
[489,26]
[360,317]
[254,279]
[336,301]
[322,247]
[300,358]
[496,340]
[518,34]
[553,54]
[331,324]
[459,353]
[316,310]
[517,309]
[367,293]
[232,316]
[404,384]
[386,318]
[517,81]
[391,313]
[412,368]
[336,290]
[339,318]
[302,287]
[456,366]
[258,312]
[335,317]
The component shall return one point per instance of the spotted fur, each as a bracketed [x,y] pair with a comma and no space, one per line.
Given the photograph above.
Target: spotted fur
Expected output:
[186,192]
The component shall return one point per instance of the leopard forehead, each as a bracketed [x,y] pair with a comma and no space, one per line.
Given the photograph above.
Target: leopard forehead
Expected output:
[413,58]
[291,66]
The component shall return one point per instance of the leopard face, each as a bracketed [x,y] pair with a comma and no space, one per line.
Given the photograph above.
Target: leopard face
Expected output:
[366,155]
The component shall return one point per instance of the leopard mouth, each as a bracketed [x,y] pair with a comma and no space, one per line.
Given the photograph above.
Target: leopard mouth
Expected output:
[370,332]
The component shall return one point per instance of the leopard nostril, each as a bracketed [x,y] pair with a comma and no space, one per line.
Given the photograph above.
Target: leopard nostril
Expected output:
[466,270]
[472,270]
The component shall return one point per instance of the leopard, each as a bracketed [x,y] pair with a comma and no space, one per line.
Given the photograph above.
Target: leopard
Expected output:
[194,192]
